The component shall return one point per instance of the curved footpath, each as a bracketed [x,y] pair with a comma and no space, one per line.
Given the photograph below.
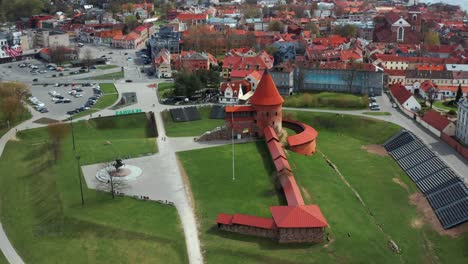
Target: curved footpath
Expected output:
[172,145]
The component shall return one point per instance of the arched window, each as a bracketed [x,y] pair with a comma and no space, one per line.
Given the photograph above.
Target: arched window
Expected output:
[401,33]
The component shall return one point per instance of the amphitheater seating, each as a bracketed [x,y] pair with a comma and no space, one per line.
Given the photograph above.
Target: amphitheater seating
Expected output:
[443,188]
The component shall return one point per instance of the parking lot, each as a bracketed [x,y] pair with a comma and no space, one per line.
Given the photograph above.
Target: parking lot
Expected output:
[59,110]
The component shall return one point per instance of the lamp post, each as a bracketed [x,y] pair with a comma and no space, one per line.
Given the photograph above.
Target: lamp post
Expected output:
[73,134]
[79,178]
[232,140]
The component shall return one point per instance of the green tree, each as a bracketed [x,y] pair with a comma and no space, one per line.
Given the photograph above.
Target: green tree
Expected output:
[431,38]
[131,22]
[313,28]
[459,93]
[276,26]
[347,31]
[272,50]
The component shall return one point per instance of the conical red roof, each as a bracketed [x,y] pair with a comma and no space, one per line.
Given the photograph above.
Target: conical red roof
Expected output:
[266,92]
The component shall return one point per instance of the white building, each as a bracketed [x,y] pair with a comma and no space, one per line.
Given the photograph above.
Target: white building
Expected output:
[462,122]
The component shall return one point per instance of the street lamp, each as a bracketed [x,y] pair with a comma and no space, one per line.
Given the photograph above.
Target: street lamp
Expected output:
[73,134]
[79,177]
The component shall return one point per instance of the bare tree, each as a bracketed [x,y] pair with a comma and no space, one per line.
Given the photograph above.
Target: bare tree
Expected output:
[57,132]
[114,184]
[13,94]
[432,94]
[58,54]
[349,78]
[88,58]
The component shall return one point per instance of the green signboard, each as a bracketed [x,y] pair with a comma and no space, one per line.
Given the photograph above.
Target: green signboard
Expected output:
[127,112]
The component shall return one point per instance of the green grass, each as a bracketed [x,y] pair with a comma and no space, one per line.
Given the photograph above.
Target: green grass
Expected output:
[40,201]
[3,123]
[377,113]
[192,128]
[108,98]
[355,234]
[3,260]
[441,105]
[165,90]
[107,76]
[106,67]
[326,100]
[107,88]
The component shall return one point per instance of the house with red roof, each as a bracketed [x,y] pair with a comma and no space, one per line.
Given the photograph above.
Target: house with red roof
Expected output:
[192,19]
[162,64]
[437,123]
[399,27]
[246,59]
[232,90]
[404,98]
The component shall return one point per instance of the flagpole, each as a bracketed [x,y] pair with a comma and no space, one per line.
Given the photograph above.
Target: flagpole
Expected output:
[232,140]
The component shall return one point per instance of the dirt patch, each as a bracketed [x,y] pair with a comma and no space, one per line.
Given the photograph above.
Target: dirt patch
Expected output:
[401,183]
[14,138]
[431,219]
[375,149]
[417,223]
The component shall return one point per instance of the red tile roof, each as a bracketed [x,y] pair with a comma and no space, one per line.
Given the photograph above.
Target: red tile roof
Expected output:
[276,150]
[240,73]
[270,134]
[225,219]
[248,220]
[239,108]
[266,93]
[291,190]
[281,164]
[298,216]
[304,132]
[436,120]
[190,17]
[395,72]
[400,93]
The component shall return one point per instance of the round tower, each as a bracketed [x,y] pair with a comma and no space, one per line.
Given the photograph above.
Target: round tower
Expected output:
[267,103]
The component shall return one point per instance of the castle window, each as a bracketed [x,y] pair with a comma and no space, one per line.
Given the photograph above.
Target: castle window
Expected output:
[401,33]
[276,113]
[268,114]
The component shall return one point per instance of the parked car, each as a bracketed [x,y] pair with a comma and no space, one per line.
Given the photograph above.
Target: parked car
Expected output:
[129,81]
[66,101]
[72,112]
[375,108]
[44,110]
[35,80]
[59,97]
[59,101]
[77,95]
[394,105]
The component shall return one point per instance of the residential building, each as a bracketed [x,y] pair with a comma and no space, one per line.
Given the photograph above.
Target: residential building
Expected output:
[404,98]
[400,28]
[43,38]
[437,124]
[246,59]
[283,76]
[231,91]
[193,61]
[162,64]
[462,122]
[166,38]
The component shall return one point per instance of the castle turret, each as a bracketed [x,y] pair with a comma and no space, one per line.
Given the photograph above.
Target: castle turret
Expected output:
[267,103]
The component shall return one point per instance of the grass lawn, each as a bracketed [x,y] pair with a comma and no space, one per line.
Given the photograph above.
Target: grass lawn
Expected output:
[108,88]
[108,98]
[354,233]
[105,67]
[327,100]
[192,128]
[441,105]
[165,90]
[107,76]
[3,123]
[40,202]
[377,113]
[3,260]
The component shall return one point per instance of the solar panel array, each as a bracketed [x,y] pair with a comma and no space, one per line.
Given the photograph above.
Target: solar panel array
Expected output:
[443,188]
[185,114]
[217,112]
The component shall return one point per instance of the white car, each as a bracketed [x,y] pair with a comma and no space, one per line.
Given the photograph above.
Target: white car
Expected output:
[77,95]
[72,92]
[42,72]
[55,99]
[53,93]
[40,104]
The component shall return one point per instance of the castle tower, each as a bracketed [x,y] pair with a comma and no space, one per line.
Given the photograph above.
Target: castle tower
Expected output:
[267,103]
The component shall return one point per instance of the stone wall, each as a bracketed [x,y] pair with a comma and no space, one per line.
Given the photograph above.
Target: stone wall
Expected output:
[217,134]
[301,235]
[250,230]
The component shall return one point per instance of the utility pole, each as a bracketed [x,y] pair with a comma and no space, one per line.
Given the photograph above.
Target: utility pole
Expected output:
[79,177]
